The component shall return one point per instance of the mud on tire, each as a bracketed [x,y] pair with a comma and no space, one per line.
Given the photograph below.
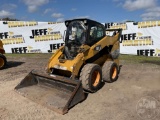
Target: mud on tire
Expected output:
[3,61]
[110,71]
[91,76]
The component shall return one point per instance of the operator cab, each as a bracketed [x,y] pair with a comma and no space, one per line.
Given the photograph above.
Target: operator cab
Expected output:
[80,32]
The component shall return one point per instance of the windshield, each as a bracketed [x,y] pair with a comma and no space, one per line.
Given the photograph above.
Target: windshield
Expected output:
[75,37]
[75,33]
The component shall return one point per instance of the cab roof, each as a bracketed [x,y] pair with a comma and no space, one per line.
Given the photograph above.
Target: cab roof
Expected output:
[82,19]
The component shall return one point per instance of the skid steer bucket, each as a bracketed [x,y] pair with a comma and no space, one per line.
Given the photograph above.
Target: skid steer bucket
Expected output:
[55,92]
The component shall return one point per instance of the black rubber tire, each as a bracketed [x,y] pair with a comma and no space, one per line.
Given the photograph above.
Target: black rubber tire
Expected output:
[110,71]
[4,60]
[87,75]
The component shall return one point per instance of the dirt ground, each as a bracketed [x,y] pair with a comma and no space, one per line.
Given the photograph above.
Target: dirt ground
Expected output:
[125,99]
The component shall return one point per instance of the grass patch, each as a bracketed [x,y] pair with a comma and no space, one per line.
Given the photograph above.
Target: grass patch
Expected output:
[124,58]
[140,59]
[29,55]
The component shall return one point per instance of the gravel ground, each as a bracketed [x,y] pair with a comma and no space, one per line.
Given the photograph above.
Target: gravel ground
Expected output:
[134,96]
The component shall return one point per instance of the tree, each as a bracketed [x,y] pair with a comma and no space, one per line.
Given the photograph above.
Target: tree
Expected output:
[8,19]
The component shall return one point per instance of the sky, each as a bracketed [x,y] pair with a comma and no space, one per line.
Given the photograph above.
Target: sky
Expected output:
[100,10]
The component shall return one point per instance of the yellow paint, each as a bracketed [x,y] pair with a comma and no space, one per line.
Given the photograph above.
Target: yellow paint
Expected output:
[137,42]
[122,26]
[157,52]
[146,24]
[75,65]
[13,41]
[21,23]
[55,36]
[54,22]
[139,34]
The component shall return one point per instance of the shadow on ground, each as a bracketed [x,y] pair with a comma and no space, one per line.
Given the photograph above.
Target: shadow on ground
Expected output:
[11,64]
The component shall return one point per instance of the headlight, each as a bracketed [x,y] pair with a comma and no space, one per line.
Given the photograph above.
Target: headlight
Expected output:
[60,67]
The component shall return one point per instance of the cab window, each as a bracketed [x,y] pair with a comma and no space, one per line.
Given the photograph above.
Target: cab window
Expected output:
[96,33]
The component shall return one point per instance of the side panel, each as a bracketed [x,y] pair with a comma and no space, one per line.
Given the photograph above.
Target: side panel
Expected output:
[101,51]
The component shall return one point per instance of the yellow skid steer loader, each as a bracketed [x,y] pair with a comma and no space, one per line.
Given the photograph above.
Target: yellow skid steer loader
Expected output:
[87,60]
[3,59]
